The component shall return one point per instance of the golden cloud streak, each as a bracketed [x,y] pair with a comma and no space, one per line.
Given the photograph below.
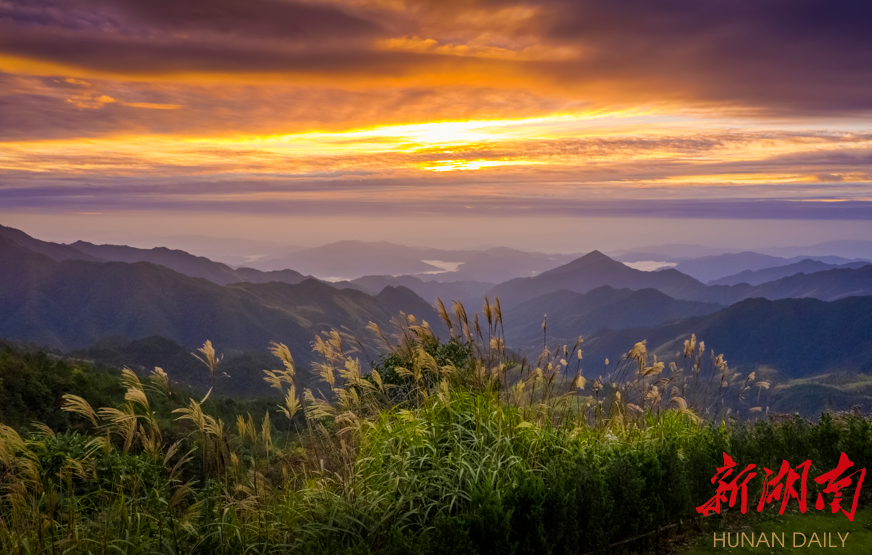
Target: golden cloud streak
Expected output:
[597,151]
[536,52]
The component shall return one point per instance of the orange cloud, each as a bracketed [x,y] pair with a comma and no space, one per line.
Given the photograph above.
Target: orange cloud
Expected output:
[413,101]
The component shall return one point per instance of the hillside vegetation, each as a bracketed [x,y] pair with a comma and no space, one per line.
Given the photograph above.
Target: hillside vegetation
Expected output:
[33,385]
[443,447]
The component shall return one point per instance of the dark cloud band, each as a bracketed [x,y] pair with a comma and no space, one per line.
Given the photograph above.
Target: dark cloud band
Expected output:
[769,56]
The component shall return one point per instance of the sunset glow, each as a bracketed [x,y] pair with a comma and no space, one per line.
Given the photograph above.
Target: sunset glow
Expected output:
[398,103]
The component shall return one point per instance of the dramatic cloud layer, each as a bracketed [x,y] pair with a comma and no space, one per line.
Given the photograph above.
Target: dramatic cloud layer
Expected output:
[741,108]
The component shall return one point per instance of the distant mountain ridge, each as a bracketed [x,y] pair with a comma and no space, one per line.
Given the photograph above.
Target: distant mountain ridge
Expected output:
[807,266]
[180,261]
[709,269]
[850,249]
[468,292]
[571,314]
[828,285]
[185,263]
[54,251]
[73,303]
[672,252]
[444,285]
[499,264]
[353,259]
[795,336]
[596,269]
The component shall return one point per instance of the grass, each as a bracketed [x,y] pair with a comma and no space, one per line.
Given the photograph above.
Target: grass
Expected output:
[858,542]
[451,446]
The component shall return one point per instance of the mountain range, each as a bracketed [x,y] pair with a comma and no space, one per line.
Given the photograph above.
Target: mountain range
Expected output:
[715,269]
[795,336]
[353,259]
[806,266]
[180,261]
[416,266]
[498,264]
[124,302]
[188,264]
[596,270]
[580,275]
[570,314]
[709,269]
[851,249]
[72,304]
[467,292]
[350,260]
[591,271]
[846,248]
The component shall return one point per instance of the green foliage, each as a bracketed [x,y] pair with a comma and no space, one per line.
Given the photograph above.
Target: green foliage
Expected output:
[452,352]
[478,455]
[32,384]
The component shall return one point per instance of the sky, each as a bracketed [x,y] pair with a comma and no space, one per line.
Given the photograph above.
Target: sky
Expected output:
[561,124]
